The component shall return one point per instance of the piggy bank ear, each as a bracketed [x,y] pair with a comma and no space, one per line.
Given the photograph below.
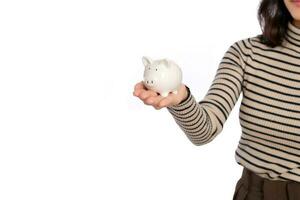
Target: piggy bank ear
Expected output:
[165,62]
[146,61]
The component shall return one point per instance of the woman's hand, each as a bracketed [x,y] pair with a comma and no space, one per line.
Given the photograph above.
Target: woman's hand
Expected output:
[152,98]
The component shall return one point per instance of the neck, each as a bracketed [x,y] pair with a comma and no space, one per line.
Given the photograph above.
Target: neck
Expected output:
[292,37]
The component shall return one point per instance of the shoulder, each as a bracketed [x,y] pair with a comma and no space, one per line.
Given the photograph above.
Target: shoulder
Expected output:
[252,43]
[245,47]
[242,49]
[246,44]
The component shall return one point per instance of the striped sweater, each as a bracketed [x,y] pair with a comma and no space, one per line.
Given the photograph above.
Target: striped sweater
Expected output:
[269,113]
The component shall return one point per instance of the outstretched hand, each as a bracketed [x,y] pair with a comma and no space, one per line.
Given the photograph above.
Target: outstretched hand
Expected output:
[150,97]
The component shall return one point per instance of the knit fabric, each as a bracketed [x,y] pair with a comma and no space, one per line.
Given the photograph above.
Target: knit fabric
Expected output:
[269,114]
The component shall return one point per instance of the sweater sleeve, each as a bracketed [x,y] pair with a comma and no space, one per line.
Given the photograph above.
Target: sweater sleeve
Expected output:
[202,121]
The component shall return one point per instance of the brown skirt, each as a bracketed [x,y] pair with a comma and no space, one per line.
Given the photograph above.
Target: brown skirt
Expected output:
[253,187]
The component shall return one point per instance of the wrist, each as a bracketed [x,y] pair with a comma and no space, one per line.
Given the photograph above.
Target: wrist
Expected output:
[186,94]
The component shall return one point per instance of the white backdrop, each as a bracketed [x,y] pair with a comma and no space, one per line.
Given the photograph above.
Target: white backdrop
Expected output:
[70,127]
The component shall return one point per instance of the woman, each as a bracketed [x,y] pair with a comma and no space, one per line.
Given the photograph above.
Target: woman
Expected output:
[266,68]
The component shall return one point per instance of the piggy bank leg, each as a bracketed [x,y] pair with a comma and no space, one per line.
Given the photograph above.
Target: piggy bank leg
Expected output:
[164,94]
[175,92]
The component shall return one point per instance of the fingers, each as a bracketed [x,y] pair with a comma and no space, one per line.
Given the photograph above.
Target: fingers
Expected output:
[160,101]
[138,88]
[155,101]
[142,92]
[166,101]
[147,93]
[150,97]
[139,85]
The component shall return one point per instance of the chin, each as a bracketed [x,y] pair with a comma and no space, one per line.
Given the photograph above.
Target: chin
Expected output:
[296,17]
[293,8]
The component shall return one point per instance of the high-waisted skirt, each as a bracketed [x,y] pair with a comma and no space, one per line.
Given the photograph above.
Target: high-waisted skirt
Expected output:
[253,187]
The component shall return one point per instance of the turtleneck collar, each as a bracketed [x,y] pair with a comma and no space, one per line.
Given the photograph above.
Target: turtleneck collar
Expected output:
[293,35]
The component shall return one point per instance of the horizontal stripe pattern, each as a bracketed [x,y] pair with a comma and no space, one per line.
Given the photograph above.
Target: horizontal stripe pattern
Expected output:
[269,114]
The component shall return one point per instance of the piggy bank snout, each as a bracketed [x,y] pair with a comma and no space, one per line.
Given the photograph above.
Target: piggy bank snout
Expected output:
[150,82]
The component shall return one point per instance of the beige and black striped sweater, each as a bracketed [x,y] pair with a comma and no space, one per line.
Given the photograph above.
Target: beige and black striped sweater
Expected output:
[269,113]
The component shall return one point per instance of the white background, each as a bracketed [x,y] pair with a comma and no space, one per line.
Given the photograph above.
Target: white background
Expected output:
[70,127]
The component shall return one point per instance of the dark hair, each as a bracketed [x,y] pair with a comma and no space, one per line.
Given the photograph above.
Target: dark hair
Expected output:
[273,18]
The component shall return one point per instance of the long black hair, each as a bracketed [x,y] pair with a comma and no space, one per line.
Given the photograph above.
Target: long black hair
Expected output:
[273,18]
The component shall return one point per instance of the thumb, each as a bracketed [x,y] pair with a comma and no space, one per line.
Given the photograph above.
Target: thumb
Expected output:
[169,100]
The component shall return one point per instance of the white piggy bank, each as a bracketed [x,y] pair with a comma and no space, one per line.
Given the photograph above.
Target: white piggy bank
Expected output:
[162,76]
